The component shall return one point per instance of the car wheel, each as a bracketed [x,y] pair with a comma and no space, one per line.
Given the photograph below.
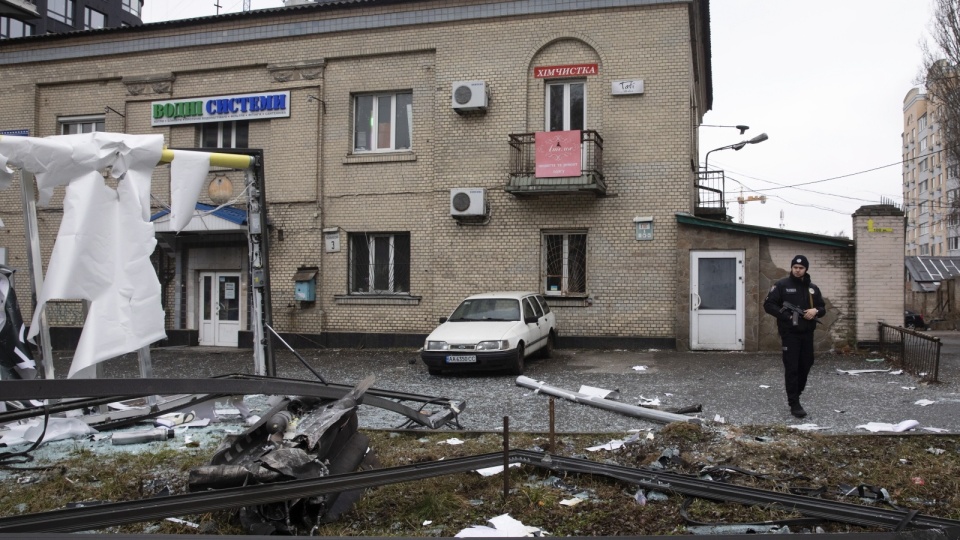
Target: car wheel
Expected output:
[547,350]
[518,363]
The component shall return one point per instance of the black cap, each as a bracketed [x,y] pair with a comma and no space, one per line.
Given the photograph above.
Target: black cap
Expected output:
[801,260]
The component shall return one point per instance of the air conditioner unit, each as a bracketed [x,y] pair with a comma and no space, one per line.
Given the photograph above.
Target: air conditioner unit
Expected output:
[468,202]
[469,96]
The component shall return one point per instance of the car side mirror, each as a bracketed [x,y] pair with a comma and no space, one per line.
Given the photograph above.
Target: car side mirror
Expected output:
[530,320]
[443,320]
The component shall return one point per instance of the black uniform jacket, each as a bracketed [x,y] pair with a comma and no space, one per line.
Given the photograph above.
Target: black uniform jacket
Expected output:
[799,292]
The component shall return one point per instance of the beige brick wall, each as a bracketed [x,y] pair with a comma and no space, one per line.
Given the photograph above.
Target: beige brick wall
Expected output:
[832,270]
[313,182]
[879,233]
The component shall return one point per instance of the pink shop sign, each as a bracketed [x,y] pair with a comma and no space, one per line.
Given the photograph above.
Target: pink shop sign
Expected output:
[558,154]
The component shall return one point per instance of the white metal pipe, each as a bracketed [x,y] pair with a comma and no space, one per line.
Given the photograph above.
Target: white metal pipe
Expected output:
[623,408]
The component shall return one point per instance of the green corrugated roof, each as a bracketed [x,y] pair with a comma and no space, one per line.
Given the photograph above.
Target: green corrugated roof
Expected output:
[770,232]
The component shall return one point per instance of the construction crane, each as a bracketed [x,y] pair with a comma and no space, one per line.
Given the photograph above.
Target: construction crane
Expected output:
[744,200]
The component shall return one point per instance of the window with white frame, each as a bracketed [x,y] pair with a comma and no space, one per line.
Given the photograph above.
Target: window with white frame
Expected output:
[923,144]
[924,229]
[382,122]
[925,249]
[93,19]
[12,28]
[60,10]
[954,242]
[922,122]
[224,134]
[380,263]
[72,125]
[131,6]
[565,263]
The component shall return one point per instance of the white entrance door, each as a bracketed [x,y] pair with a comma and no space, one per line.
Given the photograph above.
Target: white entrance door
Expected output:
[716,300]
[220,308]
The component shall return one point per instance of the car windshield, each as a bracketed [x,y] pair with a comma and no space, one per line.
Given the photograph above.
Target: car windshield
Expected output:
[487,309]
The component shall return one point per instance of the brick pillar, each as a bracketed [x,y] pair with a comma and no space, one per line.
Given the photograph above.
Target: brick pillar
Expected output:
[878,231]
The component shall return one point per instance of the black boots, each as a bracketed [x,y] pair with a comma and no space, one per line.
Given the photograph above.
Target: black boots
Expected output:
[797,410]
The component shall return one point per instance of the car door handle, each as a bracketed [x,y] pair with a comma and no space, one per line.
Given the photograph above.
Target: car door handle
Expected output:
[694,301]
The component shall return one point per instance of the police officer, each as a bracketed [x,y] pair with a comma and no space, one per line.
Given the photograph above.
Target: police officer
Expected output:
[796,326]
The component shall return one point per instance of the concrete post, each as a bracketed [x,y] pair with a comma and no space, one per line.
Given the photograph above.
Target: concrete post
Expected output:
[878,231]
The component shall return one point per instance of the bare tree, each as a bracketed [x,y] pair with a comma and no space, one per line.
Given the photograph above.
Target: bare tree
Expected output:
[941,61]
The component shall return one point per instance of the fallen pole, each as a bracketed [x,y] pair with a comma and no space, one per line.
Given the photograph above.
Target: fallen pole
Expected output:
[601,403]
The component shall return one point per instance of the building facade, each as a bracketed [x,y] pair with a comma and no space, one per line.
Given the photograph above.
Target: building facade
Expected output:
[930,185]
[418,152]
[21,18]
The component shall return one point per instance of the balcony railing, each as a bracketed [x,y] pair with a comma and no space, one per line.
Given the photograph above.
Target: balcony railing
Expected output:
[523,179]
[710,194]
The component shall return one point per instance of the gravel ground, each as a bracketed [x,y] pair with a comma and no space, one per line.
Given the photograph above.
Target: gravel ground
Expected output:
[741,388]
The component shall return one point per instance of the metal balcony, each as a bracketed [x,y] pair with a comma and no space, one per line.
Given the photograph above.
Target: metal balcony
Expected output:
[710,195]
[523,180]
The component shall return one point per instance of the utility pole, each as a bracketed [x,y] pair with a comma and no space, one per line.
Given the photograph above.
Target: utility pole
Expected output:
[744,200]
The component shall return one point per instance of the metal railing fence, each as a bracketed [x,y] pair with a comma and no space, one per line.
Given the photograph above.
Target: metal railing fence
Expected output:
[915,352]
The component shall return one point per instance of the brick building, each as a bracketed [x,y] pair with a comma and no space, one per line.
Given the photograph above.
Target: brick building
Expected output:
[401,170]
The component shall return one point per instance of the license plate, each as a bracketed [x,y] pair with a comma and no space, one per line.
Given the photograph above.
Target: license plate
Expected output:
[462,359]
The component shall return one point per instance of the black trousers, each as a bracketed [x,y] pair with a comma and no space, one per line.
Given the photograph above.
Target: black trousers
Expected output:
[797,361]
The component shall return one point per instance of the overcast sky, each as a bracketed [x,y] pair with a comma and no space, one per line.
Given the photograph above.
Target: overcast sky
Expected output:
[825,79]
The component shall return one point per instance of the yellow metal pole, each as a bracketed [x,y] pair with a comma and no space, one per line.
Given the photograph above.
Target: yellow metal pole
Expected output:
[231,161]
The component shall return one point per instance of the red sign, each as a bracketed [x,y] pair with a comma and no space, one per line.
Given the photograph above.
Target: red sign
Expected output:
[558,154]
[572,70]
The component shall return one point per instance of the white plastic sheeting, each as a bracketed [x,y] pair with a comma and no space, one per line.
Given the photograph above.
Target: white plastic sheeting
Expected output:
[102,252]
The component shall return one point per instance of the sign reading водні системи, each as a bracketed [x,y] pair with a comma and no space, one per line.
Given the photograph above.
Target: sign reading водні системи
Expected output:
[220,109]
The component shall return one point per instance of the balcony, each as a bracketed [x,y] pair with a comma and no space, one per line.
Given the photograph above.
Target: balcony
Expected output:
[524,182]
[19,9]
[710,193]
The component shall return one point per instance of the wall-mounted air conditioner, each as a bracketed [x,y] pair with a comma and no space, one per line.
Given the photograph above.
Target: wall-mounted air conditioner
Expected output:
[465,202]
[469,96]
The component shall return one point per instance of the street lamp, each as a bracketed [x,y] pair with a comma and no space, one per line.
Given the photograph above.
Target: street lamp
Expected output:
[737,146]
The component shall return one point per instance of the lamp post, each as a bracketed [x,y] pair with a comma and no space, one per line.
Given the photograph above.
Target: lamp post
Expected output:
[736,146]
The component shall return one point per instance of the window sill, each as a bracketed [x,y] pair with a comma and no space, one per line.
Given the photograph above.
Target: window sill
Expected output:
[379,157]
[376,300]
[569,301]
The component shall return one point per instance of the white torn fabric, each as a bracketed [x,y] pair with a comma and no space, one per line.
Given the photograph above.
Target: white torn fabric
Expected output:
[612,445]
[503,526]
[496,469]
[188,175]
[880,426]
[860,371]
[923,402]
[102,252]
[599,392]
[56,429]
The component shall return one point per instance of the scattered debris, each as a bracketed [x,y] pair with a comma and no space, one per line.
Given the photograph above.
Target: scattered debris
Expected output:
[599,392]
[490,471]
[861,371]
[640,368]
[875,427]
[503,526]
[924,402]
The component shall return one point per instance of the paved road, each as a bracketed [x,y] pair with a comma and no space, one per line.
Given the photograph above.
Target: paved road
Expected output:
[742,388]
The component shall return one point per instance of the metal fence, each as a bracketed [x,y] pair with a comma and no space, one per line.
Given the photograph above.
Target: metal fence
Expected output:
[915,352]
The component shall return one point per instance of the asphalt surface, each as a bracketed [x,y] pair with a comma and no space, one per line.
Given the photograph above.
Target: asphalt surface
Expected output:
[739,388]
